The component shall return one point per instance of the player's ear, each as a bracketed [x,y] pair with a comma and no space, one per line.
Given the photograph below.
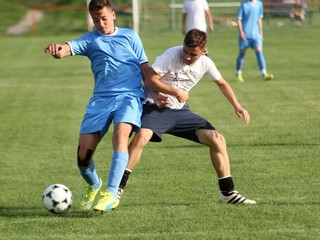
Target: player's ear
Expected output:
[205,51]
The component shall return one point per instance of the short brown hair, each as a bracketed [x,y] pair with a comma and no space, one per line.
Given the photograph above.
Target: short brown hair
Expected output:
[195,38]
[97,5]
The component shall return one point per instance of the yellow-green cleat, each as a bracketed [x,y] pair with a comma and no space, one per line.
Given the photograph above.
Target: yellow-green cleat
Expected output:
[88,196]
[240,78]
[267,77]
[107,201]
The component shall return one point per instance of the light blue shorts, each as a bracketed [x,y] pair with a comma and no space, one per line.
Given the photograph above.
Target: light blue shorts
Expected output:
[250,42]
[102,110]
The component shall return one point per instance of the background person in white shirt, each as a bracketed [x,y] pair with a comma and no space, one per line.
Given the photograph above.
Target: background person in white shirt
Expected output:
[198,15]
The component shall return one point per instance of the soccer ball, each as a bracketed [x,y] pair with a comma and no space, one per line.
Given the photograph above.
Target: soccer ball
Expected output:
[57,198]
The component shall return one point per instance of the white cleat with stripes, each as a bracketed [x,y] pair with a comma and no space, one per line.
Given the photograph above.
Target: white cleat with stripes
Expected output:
[235,197]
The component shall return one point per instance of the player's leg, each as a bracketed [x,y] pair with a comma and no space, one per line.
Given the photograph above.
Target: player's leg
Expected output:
[220,161]
[239,65]
[262,65]
[218,151]
[86,164]
[108,199]
[151,130]
[120,156]
[257,45]
[93,127]
[136,147]
[127,115]
[243,45]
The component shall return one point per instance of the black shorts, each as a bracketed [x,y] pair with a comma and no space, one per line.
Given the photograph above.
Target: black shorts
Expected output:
[178,122]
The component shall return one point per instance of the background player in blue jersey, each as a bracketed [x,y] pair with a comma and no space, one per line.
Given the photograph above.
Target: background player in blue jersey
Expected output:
[118,62]
[174,74]
[249,21]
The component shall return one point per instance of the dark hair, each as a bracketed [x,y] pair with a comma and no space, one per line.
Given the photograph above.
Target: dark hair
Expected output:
[97,5]
[195,38]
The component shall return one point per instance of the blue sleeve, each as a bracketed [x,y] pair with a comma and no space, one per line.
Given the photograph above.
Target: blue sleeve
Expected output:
[137,47]
[261,10]
[80,46]
[240,11]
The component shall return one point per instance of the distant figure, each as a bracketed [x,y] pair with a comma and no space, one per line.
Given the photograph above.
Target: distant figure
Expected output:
[299,10]
[26,23]
[249,21]
[198,15]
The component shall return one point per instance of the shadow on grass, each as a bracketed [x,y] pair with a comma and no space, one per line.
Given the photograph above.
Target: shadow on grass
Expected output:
[195,145]
[14,212]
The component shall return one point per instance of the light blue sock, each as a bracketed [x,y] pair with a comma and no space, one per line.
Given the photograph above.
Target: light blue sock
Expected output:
[261,61]
[118,165]
[240,60]
[90,175]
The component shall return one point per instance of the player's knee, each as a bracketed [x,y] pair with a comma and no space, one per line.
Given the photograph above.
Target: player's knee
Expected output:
[218,138]
[140,139]
[84,157]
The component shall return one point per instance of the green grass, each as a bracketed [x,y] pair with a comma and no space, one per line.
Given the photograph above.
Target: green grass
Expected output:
[173,192]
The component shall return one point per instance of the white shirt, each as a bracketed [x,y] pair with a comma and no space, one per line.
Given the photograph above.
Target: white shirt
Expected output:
[195,10]
[174,72]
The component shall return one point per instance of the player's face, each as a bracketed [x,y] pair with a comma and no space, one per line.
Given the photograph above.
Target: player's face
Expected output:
[192,54]
[103,20]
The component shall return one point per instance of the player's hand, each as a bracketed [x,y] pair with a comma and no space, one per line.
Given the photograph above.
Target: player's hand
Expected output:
[243,114]
[182,96]
[159,99]
[243,36]
[53,49]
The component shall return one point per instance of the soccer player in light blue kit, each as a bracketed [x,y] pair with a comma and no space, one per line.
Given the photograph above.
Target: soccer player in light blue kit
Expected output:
[119,63]
[249,21]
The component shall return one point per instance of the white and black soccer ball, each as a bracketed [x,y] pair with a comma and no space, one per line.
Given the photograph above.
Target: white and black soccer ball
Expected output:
[57,198]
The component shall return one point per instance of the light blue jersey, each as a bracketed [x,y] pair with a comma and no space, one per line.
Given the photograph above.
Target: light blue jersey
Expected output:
[250,12]
[115,61]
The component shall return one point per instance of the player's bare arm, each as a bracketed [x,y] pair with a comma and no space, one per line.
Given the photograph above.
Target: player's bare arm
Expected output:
[184,20]
[159,99]
[227,91]
[242,34]
[260,28]
[145,68]
[58,50]
[209,20]
[153,82]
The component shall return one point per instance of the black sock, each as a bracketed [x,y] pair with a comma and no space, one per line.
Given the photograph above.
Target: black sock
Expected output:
[124,179]
[226,185]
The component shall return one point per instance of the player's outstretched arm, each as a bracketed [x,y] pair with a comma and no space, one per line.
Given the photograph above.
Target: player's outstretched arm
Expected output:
[227,91]
[243,113]
[58,50]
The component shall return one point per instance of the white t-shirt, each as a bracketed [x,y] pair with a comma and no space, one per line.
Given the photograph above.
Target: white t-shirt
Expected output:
[174,72]
[195,10]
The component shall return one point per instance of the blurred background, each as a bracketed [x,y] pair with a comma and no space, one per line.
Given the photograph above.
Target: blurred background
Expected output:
[55,17]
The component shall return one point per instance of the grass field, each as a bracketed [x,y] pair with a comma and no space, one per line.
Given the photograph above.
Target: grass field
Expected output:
[173,193]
